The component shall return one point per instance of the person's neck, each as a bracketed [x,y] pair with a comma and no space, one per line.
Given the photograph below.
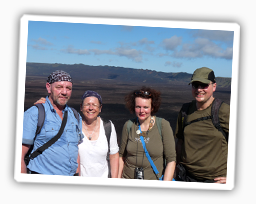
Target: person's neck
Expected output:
[204,105]
[90,122]
[57,107]
[144,125]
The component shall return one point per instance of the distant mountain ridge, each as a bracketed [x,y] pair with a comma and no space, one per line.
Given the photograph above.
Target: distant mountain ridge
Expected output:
[111,74]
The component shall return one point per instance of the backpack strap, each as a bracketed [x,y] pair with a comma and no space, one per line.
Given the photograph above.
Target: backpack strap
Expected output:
[215,116]
[159,126]
[107,128]
[184,115]
[41,117]
[76,114]
[129,125]
[40,123]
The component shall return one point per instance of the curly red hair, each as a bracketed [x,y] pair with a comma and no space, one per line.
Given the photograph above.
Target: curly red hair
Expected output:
[153,94]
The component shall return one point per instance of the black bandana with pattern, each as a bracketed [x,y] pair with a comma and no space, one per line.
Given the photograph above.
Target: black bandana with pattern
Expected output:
[59,75]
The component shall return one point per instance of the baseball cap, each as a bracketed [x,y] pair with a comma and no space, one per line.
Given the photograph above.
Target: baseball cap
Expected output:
[204,75]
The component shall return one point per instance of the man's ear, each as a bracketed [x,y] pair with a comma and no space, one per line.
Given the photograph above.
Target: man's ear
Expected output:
[48,87]
[214,86]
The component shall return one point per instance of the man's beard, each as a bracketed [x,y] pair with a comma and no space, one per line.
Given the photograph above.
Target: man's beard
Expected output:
[62,101]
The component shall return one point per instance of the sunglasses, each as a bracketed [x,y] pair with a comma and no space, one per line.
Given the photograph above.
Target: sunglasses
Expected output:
[200,85]
[142,93]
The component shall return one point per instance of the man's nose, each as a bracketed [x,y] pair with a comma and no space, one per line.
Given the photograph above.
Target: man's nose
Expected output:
[64,91]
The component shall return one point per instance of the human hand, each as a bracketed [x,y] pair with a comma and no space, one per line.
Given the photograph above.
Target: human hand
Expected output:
[220,180]
[41,100]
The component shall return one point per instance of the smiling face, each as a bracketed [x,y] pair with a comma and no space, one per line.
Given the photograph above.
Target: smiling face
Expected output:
[143,108]
[59,93]
[203,93]
[91,108]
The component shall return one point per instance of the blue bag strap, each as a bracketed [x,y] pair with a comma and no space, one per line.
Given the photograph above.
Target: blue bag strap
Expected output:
[149,158]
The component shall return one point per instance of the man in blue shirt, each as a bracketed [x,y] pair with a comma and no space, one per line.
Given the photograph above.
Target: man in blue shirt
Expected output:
[62,157]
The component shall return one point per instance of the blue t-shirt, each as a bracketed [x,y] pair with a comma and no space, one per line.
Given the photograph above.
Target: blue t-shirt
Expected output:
[61,157]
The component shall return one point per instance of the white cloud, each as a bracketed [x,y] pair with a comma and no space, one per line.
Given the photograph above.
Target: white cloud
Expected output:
[132,54]
[172,43]
[71,50]
[42,41]
[38,47]
[173,64]
[203,47]
[100,52]
[145,41]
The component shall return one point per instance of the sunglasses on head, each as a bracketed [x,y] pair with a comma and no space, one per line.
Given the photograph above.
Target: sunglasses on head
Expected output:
[142,93]
[197,85]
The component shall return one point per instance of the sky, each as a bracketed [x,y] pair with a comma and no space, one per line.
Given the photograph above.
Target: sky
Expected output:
[162,49]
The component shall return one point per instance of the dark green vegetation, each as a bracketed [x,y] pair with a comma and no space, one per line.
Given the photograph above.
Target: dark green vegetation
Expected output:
[113,83]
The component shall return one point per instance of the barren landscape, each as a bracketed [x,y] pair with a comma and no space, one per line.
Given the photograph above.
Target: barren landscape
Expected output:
[173,95]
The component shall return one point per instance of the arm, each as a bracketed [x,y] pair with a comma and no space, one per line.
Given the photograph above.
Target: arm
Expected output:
[121,167]
[122,151]
[25,149]
[169,150]
[169,171]
[114,154]
[114,161]
[41,100]
[224,121]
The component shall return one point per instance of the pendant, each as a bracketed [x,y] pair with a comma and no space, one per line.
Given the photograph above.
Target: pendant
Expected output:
[90,138]
[138,132]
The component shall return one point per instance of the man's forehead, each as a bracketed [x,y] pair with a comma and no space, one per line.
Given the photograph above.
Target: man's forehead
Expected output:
[62,83]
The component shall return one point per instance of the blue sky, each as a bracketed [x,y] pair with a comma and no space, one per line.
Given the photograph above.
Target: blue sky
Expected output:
[140,47]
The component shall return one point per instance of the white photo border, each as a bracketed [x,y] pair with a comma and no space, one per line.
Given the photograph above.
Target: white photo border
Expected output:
[19,177]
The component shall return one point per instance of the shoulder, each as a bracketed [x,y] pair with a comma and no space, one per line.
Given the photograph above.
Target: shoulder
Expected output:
[73,112]
[130,122]
[224,107]
[104,120]
[128,125]
[162,121]
[186,107]
[224,110]
[32,111]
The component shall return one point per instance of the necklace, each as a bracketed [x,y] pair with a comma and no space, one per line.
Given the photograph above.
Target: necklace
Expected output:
[90,135]
[139,132]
